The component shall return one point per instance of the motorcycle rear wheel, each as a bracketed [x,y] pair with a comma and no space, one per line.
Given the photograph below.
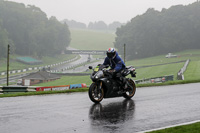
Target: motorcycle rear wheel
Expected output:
[95,95]
[130,92]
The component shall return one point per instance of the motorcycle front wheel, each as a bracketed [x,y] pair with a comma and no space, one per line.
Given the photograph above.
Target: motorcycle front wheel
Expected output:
[96,95]
[130,91]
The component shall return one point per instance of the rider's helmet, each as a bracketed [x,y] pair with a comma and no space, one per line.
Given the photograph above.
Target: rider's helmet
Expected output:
[111,53]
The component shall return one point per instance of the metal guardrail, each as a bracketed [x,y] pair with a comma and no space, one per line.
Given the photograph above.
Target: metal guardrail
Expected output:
[92,52]
[180,75]
[37,68]
[1,89]
[16,89]
[74,74]
[156,79]
[160,64]
[69,67]
[11,89]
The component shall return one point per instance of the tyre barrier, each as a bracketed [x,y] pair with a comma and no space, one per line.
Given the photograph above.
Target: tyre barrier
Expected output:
[61,87]
[73,86]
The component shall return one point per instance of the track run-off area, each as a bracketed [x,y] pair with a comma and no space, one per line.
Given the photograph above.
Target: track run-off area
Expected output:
[150,108]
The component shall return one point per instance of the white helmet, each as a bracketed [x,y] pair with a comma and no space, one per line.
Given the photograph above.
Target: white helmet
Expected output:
[111,53]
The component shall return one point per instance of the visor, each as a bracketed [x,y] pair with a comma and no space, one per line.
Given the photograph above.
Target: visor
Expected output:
[110,55]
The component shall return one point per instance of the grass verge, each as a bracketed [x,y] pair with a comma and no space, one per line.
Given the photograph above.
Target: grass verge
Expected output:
[191,128]
[42,92]
[169,83]
[86,89]
[66,80]
[15,65]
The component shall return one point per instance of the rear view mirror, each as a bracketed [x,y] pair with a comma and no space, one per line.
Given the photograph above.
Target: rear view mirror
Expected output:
[90,67]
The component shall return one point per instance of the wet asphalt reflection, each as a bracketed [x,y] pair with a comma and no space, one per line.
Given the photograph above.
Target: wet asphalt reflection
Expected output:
[111,117]
[150,108]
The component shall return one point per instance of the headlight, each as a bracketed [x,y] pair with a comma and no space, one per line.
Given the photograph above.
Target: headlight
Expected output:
[96,77]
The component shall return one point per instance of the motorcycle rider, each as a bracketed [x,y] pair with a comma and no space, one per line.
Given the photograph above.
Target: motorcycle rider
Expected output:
[117,65]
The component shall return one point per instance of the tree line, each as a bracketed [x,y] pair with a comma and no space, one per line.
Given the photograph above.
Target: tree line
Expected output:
[29,32]
[99,25]
[160,32]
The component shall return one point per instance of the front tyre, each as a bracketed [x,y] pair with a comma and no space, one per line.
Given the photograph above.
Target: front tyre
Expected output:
[131,90]
[96,93]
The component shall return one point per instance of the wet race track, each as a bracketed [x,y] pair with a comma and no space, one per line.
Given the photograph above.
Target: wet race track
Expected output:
[150,108]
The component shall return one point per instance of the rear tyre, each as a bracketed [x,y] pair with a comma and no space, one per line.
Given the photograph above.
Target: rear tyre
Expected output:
[95,94]
[130,90]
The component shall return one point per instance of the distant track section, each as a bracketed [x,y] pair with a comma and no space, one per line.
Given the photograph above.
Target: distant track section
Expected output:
[91,52]
[160,64]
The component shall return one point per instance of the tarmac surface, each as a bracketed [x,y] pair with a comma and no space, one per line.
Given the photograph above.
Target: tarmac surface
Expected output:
[150,108]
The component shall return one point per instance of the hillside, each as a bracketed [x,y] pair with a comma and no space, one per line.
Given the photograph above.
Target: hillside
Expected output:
[91,40]
[161,32]
[29,32]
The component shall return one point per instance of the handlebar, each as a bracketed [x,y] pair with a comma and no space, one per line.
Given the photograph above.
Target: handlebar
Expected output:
[107,73]
[101,67]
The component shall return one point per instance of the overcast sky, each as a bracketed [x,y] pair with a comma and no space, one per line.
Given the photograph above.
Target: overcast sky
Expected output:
[100,10]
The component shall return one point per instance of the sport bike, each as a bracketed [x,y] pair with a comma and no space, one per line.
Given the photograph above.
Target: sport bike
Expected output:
[105,86]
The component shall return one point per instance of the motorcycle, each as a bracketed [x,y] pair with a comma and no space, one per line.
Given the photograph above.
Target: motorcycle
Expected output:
[105,86]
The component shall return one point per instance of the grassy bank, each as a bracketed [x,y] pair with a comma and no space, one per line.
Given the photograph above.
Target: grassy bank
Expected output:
[42,92]
[91,40]
[191,128]
[191,73]
[66,80]
[15,65]
[193,70]
[169,83]
[157,71]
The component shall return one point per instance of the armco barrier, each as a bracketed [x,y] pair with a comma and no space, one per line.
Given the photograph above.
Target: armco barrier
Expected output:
[180,75]
[35,68]
[9,89]
[74,74]
[156,79]
[12,89]
[1,91]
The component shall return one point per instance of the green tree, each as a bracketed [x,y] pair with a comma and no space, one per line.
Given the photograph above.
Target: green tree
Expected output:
[154,33]
[31,31]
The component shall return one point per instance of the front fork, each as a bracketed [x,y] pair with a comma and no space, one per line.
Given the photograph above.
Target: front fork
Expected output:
[99,87]
[128,83]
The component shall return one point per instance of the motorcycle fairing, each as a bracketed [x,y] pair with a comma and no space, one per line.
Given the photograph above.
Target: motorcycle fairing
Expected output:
[111,88]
